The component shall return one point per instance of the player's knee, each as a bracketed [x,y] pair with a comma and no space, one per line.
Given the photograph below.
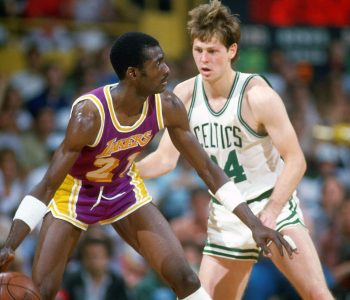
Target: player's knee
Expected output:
[184,280]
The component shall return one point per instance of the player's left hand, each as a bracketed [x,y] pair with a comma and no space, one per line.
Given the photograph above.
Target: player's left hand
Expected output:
[7,255]
[263,236]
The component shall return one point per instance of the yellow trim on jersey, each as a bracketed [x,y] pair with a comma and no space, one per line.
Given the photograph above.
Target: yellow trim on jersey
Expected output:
[141,194]
[159,111]
[63,204]
[101,111]
[115,121]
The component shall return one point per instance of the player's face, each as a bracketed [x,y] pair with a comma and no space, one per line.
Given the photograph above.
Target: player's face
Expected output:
[212,58]
[155,71]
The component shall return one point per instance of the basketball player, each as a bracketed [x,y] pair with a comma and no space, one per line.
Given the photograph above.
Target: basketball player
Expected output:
[243,126]
[92,177]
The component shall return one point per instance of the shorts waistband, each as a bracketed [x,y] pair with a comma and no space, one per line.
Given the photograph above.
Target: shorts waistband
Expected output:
[262,196]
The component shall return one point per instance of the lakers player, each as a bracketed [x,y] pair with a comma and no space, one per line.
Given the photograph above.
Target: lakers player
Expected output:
[243,126]
[92,177]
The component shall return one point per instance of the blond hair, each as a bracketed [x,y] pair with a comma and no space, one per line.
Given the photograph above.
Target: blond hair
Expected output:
[214,19]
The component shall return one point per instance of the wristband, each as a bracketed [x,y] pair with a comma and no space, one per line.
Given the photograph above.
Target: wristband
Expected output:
[30,211]
[229,196]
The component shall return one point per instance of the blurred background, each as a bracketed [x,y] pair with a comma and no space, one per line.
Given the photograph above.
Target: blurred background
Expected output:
[54,50]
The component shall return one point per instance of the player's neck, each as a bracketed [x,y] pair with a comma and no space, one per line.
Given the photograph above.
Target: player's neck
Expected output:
[126,100]
[220,88]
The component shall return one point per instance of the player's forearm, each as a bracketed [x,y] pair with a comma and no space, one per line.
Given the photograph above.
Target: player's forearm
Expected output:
[244,213]
[19,230]
[154,165]
[288,181]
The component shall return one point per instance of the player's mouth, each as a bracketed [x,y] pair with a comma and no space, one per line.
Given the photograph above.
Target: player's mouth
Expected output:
[205,71]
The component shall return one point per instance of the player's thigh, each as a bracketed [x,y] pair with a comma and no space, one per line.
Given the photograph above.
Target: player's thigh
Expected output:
[56,242]
[224,278]
[149,233]
[304,271]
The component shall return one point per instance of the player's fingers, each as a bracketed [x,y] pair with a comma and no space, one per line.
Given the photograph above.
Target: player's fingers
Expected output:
[291,243]
[286,246]
[265,248]
[6,263]
[279,244]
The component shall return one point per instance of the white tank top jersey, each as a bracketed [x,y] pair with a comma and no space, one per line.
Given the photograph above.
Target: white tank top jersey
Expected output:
[248,158]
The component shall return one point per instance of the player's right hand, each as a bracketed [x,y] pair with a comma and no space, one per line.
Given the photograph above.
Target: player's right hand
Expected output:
[7,255]
[263,237]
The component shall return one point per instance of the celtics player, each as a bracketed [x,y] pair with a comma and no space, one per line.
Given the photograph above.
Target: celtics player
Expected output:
[243,126]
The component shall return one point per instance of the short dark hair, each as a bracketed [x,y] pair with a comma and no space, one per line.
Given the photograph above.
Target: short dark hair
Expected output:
[87,240]
[128,51]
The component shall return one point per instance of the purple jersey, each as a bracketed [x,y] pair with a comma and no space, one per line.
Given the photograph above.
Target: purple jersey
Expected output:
[107,162]
[103,182]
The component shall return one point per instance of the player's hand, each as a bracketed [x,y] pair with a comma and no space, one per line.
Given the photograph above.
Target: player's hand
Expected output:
[268,218]
[263,237]
[7,255]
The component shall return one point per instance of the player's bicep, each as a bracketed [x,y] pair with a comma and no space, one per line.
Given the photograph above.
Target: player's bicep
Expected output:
[82,129]
[83,126]
[279,126]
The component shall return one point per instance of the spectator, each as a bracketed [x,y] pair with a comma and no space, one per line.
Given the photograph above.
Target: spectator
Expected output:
[94,279]
[192,227]
[11,185]
[30,82]
[335,250]
[53,96]
[35,141]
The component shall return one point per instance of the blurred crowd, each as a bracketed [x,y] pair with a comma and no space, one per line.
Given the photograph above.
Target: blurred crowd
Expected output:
[57,64]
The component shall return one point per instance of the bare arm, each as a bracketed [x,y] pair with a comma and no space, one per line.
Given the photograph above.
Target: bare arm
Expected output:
[176,121]
[82,130]
[161,161]
[165,157]
[269,111]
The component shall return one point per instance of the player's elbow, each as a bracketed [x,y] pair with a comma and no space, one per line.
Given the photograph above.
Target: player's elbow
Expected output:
[303,165]
[299,163]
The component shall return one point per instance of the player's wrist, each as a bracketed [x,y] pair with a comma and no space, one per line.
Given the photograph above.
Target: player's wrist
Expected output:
[229,196]
[31,211]
[274,207]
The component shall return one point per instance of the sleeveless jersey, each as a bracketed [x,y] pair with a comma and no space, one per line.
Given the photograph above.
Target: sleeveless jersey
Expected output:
[248,158]
[107,161]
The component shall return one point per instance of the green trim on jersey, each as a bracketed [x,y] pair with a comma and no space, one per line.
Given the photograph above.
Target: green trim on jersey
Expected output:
[239,109]
[193,98]
[218,250]
[222,110]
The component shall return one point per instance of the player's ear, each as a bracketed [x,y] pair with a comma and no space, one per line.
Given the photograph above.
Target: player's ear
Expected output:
[233,50]
[131,73]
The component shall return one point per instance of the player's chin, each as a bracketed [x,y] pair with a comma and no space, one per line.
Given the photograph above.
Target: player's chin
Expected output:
[161,88]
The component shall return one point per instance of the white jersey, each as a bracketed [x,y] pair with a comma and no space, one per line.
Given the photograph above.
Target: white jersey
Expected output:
[248,158]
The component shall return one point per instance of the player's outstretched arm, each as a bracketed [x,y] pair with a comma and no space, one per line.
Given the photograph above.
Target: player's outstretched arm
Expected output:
[161,161]
[175,119]
[165,157]
[82,130]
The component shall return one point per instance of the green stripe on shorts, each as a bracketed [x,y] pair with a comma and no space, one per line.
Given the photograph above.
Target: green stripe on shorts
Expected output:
[237,253]
[293,217]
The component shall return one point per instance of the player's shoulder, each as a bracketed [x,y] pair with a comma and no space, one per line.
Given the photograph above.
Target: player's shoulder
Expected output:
[88,106]
[260,95]
[169,98]
[184,90]
[259,88]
